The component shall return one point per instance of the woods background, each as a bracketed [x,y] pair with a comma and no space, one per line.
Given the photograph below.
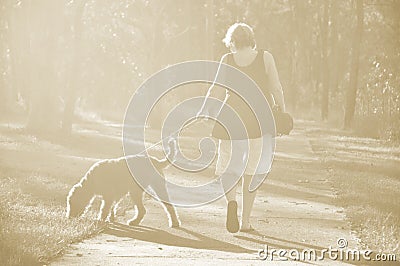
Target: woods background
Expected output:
[338,60]
[69,67]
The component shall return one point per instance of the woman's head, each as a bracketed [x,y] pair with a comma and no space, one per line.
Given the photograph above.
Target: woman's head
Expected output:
[238,36]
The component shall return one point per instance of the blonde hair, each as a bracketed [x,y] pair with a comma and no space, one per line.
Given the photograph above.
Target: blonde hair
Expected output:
[239,35]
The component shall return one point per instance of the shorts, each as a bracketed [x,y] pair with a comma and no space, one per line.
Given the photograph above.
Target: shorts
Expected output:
[259,156]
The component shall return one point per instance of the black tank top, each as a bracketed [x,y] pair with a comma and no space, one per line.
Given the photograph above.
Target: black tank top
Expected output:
[256,71]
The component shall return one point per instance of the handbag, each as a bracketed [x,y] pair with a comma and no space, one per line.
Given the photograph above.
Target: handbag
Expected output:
[283,121]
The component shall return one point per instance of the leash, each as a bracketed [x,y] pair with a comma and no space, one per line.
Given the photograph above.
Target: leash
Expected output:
[201,109]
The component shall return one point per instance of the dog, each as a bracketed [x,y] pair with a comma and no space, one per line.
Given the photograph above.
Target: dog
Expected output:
[112,180]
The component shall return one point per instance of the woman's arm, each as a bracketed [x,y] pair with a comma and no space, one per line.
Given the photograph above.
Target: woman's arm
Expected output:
[273,79]
[209,109]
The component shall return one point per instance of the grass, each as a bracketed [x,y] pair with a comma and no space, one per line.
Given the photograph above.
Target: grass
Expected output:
[367,185]
[33,232]
[371,202]
[35,177]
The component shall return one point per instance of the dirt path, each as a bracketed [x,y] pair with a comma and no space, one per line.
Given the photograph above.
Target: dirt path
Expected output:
[294,209]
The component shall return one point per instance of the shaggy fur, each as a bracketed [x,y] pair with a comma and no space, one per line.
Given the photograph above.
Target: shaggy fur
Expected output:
[112,180]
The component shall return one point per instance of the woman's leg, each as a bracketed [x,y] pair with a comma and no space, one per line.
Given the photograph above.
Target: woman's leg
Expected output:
[231,195]
[260,159]
[247,202]
[224,156]
[229,187]
[232,221]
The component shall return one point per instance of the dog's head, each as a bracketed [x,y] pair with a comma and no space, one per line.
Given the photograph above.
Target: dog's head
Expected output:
[76,201]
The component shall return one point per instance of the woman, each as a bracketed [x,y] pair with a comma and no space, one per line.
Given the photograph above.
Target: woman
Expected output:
[260,66]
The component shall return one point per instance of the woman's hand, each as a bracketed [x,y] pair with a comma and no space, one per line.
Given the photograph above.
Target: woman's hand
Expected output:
[273,79]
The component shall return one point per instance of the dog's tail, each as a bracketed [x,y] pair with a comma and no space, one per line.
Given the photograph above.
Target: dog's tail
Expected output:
[172,151]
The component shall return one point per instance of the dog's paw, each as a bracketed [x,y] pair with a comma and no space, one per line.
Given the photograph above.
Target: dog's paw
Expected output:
[175,224]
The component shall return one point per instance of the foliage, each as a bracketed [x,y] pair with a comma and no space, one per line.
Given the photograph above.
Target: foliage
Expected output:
[94,54]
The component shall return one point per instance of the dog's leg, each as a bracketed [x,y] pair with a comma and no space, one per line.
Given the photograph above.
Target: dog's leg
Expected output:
[89,206]
[113,212]
[141,211]
[105,209]
[172,215]
[117,208]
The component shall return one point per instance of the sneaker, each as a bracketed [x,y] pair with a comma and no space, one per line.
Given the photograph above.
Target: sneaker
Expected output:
[232,222]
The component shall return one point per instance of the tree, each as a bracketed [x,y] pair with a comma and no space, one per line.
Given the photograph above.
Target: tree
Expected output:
[99,52]
[325,62]
[42,61]
[355,58]
[74,71]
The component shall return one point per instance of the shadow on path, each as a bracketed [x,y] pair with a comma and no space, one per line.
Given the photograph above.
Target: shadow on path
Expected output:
[255,238]
[155,235]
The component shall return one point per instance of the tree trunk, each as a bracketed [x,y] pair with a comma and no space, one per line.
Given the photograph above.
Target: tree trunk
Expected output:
[335,45]
[44,113]
[352,92]
[18,45]
[4,44]
[291,98]
[70,100]
[325,62]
